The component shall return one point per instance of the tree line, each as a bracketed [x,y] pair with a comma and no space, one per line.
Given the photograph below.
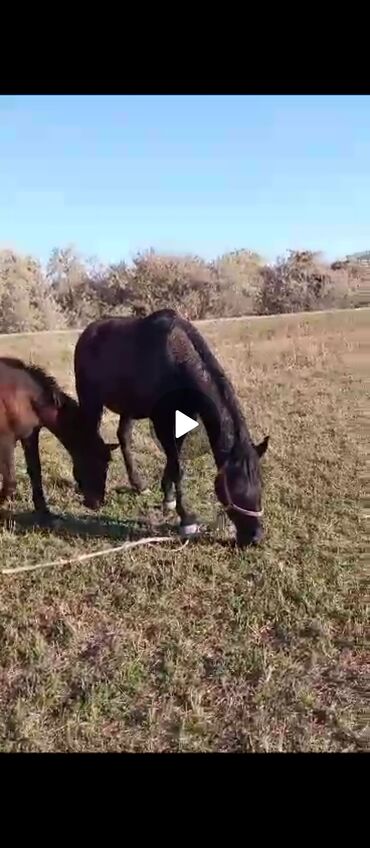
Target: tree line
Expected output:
[71,291]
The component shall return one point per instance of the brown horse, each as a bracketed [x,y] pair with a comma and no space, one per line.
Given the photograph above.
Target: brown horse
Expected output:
[31,399]
[148,367]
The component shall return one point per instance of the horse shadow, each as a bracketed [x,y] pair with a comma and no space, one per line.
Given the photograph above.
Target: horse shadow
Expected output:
[67,525]
[84,526]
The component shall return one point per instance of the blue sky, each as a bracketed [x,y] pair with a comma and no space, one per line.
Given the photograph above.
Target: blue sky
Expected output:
[202,174]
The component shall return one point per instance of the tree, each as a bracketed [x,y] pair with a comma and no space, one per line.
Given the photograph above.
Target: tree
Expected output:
[240,277]
[26,300]
[185,283]
[300,282]
[67,274]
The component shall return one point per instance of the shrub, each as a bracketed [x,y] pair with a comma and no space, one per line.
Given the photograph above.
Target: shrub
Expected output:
[26,301]
[185,283]
[301,282]
[75,291]
[240,278]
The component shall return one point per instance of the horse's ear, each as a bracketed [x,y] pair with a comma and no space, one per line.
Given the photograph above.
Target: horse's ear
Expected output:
[262,447]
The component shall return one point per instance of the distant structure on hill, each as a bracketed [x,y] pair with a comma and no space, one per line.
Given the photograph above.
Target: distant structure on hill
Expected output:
[364,257]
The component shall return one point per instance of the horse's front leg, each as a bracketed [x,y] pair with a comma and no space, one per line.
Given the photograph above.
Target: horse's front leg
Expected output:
[124,435]
[7,469]
[32,456]
[168,489]
[173,475]
[92,410]
[172,493]
[188,519]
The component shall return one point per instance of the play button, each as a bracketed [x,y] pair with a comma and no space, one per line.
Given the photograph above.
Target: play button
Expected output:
[176,412]
[183,424]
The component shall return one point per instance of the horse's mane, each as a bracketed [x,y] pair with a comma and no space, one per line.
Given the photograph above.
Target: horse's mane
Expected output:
[167,319]
[52,392]
[70,428]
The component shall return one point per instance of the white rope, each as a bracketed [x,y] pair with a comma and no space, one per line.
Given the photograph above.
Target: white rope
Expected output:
[83,557]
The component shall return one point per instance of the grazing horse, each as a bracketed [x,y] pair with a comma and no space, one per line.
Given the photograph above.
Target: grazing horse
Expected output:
[31,399]
[148,367]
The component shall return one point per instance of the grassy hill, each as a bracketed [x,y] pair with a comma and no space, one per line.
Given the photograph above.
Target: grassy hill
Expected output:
[202,649]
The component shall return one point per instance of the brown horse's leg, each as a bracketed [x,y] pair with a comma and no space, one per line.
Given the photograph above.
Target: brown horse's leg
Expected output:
[124,434]
[32,457]
[7,468]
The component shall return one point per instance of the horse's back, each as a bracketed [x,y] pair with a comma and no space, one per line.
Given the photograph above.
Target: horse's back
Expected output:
[106,326]
[112,327]
[125,362]
[121,342]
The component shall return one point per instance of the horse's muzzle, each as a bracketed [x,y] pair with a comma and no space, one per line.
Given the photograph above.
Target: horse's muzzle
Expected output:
[244,541]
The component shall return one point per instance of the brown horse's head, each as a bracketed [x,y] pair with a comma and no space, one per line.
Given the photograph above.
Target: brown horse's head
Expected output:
[90,454]
[90,467]
[238,487]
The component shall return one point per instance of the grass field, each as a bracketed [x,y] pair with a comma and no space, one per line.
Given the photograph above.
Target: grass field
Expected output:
[204,649]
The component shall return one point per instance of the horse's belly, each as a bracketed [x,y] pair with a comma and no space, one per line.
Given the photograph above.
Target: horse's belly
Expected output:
[132,381]
[129,404]
[17,416]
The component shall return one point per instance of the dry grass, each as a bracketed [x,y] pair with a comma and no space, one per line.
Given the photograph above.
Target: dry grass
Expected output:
[205,649]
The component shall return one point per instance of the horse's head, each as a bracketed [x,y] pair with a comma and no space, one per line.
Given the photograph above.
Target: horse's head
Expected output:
[238,487]
[90,467]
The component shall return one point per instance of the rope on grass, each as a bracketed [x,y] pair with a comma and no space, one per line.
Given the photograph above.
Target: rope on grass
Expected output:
[83,557]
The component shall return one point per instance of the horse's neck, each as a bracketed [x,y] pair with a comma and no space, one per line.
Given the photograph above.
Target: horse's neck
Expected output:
[220,431]
[65,425]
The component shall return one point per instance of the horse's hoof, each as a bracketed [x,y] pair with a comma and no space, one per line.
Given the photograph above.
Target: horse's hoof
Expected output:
[131,490]
[188,530]
[122,490]
[139,486]
[169,506]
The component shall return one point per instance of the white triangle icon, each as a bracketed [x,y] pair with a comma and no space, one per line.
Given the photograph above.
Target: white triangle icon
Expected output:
[183,424]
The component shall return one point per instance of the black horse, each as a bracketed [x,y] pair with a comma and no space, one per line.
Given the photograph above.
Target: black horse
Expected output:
[148,367]
[29,400]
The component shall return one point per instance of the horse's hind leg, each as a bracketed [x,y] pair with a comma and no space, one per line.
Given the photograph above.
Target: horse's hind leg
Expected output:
[124,434]
[7,468]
